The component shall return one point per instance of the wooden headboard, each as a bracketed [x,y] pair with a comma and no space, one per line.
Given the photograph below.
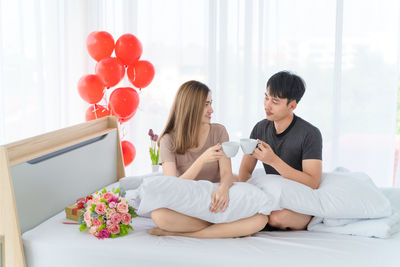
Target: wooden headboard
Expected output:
[41,175]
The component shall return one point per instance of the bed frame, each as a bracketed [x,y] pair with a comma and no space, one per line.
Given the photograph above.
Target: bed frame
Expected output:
[37,181]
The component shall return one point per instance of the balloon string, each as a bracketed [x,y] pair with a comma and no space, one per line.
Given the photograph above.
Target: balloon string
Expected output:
[123,132]
[105,98]
[140,103]
[94,110]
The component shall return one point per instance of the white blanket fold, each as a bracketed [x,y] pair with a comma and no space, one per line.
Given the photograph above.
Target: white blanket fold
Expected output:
[345,203]
[193,198]
[379,227]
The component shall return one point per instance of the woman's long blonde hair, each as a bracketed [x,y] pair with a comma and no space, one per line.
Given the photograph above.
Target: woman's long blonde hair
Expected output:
[185,117]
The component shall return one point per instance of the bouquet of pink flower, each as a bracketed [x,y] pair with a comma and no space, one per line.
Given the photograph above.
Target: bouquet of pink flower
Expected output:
[106,214]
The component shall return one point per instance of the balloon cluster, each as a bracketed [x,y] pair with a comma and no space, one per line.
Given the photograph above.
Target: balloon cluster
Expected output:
[123,101]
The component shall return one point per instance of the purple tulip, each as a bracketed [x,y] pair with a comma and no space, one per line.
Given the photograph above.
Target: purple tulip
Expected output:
[155,137]
[151,133]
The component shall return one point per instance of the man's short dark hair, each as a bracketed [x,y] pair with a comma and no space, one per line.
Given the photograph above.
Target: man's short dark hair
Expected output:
[285,84]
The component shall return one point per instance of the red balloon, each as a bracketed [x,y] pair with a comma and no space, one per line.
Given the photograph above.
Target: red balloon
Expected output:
[100,45]
[141,73]
[91,88]
[128,151]
[128,48]
[123,120]
[96,112]
[124,102]
[110,71]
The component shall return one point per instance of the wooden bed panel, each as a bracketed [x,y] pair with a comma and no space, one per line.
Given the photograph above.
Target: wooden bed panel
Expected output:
[45,186]
[15,167]
[9,225]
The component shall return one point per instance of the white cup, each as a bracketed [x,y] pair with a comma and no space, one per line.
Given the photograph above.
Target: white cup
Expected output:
[230,148]
[248,145]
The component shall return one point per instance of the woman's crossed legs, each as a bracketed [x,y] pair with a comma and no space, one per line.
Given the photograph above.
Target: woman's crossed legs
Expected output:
[170,222]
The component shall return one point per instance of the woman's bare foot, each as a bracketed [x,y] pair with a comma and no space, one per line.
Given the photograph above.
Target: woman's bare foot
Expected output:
[159,232]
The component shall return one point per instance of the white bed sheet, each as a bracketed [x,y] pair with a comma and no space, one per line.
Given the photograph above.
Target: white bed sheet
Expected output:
[53,243]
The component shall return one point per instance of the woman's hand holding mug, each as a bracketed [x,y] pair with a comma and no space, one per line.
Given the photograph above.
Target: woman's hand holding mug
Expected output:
[212,154]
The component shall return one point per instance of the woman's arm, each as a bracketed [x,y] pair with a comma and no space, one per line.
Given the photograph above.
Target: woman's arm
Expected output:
[210,155]
[194,170]
[220,198]
[225,170]
[169,168]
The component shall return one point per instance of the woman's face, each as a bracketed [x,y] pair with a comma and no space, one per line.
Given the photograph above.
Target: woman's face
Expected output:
[207,110]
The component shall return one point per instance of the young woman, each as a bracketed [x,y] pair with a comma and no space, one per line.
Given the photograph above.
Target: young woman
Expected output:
[190,149]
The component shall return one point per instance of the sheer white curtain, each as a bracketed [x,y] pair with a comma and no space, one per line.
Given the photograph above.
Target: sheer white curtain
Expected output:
[348,58]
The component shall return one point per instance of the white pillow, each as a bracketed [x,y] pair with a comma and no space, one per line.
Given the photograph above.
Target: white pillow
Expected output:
[341,195]
[133,182]
[193,198]
[379,227]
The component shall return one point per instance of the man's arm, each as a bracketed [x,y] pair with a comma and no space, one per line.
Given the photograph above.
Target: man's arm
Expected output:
[246,167]
[310,176]
[312,168]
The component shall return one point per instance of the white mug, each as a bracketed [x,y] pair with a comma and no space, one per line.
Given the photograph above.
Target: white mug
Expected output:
[248,145]
[230,148]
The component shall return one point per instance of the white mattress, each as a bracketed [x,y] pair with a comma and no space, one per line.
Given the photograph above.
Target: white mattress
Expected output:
[53,243]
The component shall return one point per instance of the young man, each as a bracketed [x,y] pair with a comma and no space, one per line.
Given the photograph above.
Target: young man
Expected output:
[289,146]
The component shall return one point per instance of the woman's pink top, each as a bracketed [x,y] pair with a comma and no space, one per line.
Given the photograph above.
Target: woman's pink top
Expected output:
[210,171]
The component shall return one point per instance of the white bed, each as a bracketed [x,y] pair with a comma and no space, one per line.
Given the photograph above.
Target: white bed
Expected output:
[39,238]
[53,243]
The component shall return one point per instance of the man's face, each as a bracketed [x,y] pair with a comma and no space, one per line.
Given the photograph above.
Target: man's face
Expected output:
[277,108]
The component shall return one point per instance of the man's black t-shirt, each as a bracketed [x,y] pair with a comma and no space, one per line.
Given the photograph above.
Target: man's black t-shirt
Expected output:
[301,140]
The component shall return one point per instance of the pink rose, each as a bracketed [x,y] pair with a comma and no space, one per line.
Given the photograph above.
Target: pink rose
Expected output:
[100,208]
[116,218]
[86,215]
[92,230]
[114,199]
[112,205]
[122,207]
[105,233]
[97,222]
[114,229]
[109,213]
[126,218]
[107,196]
[87,218]
[88,222]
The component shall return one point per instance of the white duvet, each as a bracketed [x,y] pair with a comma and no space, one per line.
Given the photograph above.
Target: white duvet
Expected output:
[193,198]
[380,227]
[345,203]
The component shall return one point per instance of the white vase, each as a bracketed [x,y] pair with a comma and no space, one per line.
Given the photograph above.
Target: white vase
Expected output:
[154,168]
